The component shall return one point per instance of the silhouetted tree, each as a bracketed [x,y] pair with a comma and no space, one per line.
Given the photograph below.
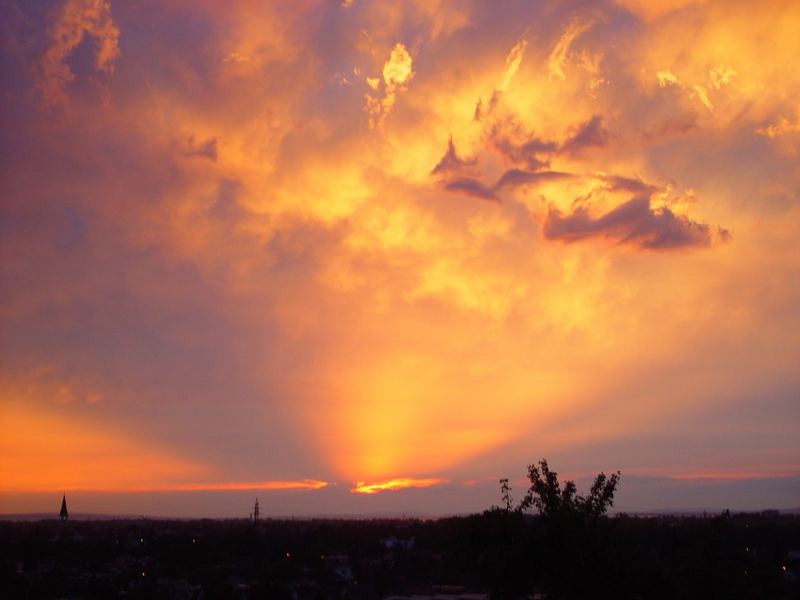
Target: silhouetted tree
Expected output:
[547,495]
[566,547]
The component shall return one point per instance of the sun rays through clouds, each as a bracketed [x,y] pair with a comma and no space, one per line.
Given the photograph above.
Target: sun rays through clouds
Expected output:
[285,245]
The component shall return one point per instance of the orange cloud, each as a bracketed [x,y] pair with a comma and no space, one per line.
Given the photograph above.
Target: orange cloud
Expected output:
[394,484]
[558,56]
[230,486]
[76,19]
[397,72]
[513,60]
[781,127]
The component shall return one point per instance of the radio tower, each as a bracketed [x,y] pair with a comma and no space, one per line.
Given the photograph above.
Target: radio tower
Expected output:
[64,514]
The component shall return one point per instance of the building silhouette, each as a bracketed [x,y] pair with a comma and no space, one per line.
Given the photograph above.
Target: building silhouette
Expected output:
[64,514]
[256,513]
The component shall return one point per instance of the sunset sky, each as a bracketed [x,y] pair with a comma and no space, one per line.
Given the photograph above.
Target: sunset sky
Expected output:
[367,257]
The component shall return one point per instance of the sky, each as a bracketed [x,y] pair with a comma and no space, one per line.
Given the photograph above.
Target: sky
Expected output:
[362,257]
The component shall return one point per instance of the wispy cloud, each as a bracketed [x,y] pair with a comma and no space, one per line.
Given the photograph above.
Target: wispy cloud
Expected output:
[558,56]
[513,60]
[394,485]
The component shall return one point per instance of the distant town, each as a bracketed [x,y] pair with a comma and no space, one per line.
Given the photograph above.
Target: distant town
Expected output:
[496,554]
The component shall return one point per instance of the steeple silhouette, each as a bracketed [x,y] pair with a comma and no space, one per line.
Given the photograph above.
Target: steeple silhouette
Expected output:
[256,514]
[64,513]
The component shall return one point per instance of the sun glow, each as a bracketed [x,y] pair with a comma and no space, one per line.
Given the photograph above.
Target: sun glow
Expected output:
[393,485]
[349,240]
[45,451]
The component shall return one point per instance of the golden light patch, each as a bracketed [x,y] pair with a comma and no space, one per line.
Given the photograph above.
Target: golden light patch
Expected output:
[737,58]
[513,60]
[486,292]
[397,72]
[666,78]
[393,485]
[398,69]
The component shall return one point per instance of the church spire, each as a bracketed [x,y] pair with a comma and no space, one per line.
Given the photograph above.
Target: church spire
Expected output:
[64,514]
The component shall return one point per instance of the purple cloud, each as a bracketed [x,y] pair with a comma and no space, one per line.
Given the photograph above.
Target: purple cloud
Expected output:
[636,223]
[471,187]
[451,161]
[592,133]
[519,177]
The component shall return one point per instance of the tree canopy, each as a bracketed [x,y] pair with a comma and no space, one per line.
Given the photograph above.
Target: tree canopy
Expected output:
[548,496]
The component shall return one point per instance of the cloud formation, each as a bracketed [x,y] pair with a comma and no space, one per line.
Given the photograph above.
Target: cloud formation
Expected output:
[471,187]
[394,484]
[513,60]
[558,56]
[529,151]
[514,178]
[73,22]
[451,162]
[591,133]
[216,261]
[397,72]
[635,223]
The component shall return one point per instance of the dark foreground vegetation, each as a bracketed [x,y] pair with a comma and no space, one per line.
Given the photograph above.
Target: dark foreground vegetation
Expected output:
[569,550]
[499,553]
